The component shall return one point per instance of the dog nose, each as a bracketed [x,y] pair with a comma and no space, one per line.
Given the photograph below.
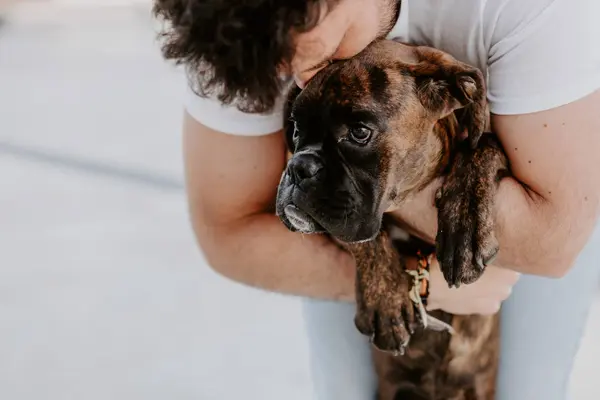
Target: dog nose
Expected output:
[304,166]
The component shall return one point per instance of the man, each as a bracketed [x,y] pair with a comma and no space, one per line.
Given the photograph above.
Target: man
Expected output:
[543,71]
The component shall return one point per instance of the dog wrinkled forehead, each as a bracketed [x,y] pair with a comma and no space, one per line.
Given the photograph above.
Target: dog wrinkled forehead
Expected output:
[357,84]
[376,79]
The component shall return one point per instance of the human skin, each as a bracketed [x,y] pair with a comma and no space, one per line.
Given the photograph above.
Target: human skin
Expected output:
[544,214]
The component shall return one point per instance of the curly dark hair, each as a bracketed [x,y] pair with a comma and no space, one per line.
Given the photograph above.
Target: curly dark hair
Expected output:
[233,48]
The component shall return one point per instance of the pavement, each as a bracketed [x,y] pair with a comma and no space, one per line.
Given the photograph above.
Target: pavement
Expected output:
[103,292]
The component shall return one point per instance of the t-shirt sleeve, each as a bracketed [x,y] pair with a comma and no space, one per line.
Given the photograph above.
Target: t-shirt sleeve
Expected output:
[543,54]
[229,119]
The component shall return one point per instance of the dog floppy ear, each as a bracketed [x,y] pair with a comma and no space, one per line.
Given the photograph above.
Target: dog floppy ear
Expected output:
[445,85]
[288,125]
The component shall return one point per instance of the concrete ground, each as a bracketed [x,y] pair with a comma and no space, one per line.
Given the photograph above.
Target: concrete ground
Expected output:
[103,293]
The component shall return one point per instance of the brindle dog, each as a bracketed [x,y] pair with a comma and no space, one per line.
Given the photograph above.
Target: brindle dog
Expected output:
[367,133]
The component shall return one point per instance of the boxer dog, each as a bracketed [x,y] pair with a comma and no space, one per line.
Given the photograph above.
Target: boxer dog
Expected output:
[364,135]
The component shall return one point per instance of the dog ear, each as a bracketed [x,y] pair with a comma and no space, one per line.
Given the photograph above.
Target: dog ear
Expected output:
[288,125]
[445,85]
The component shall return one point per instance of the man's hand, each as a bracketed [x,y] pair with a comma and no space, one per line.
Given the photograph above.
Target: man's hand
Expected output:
[484,297]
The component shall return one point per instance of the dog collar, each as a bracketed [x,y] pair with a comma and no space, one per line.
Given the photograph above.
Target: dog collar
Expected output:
[419,293]
[420,274]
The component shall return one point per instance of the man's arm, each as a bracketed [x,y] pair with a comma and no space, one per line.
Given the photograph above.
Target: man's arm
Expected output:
[547,211]
[231,185]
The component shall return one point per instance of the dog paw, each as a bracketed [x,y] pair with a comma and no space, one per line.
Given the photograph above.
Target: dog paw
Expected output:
[386,315]
[465,242]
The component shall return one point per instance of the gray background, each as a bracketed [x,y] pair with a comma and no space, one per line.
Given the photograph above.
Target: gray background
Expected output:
[103,293]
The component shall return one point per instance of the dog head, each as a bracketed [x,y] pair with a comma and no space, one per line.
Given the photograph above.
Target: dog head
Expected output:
[368,131]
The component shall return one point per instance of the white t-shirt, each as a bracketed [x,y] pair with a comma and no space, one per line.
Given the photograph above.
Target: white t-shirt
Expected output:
[536,54]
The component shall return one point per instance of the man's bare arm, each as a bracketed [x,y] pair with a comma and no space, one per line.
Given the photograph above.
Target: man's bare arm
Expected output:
[546,213]
[231,185]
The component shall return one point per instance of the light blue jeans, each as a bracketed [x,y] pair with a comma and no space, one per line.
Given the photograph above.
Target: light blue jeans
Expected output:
[542,323]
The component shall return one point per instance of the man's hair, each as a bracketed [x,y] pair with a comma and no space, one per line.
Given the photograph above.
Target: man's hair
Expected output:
[232,48]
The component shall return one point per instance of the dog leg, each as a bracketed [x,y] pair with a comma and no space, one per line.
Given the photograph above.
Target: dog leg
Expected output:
[442,367]
[471,361]
[385,311]
[465,241]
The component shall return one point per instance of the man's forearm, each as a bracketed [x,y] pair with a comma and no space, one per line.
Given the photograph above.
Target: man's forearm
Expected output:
[533,236]
[260,251]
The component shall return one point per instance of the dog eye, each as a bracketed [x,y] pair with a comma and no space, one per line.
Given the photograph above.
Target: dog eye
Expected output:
[360,134]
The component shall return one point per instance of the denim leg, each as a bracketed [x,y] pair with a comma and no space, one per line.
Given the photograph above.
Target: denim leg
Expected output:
[340,357]
[542,324]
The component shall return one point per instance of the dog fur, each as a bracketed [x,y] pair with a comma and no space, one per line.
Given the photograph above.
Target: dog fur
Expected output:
[366,134]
